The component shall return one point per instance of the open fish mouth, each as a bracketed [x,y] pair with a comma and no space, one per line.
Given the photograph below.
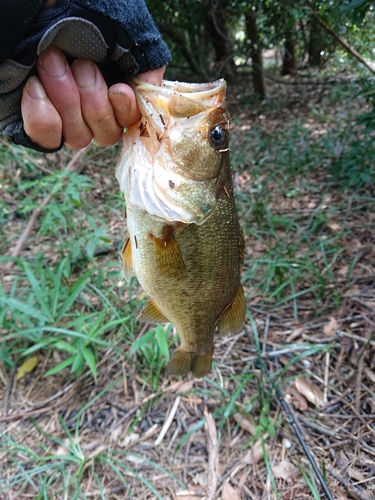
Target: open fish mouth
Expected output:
[168,166]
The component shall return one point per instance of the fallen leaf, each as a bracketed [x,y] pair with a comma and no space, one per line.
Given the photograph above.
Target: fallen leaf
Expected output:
[230,493]
[329,329]
[297,332]
[334,225]
[356,474]
[370,374]
[299,402]
[255,454]
[193,493]
[340,494]
[129,439]
[201,479]
[27,367]
[242,480]
[311,392]
[244,423]
[284,470]
[186,496]
[185,387]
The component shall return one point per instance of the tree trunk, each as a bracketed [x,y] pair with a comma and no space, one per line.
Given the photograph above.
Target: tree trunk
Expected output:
[316,43]
[256,54]
[289,59]
[218,33]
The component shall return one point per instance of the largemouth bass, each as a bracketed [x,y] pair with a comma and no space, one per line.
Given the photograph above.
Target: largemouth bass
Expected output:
[185,244]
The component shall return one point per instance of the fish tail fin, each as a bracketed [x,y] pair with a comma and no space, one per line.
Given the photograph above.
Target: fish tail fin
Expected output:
[183,362]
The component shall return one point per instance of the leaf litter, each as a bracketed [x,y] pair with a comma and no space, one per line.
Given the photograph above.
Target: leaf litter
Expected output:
[309,280]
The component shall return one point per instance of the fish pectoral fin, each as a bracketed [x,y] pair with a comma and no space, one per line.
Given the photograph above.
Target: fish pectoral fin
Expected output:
[168,257]
[233,317]
[183,362]
[126,256]
[152,314]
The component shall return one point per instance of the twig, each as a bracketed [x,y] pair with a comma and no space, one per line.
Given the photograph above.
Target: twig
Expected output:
[213,456]
[168,421]
[326,377]
[359,495]
[34,216]
[342,333]
[293,421]
[7,396]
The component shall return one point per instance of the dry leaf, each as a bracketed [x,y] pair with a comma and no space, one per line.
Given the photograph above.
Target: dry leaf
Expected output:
[340,494]
[230,493]
[298,400]
[185,495]
[311,392]
[244,423]
[27,367]
[297,332]
[356,474]
[185,387]
[129,439]
[370,374]
[188,495]
[284,470]
[201,479]
[329,329]
[334,225]
[255,453]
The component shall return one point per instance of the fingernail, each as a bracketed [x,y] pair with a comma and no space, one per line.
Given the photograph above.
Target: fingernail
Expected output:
[35,88]
[121,102]
[53,63]
[84,73]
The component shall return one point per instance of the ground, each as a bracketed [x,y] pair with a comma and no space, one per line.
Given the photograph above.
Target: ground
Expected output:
[105,422]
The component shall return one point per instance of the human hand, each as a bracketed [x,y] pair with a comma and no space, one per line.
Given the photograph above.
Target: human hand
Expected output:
[75,102]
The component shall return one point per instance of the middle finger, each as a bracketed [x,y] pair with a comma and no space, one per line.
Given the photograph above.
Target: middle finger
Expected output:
[60,86]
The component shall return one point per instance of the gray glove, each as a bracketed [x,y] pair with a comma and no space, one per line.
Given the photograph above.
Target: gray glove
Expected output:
[119,36]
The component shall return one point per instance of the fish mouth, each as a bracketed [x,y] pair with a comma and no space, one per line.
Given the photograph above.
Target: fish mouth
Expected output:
[176,99]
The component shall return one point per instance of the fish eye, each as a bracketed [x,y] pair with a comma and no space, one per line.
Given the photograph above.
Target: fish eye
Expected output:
[218,136]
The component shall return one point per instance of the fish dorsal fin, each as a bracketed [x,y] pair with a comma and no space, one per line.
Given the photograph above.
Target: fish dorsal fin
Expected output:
[152,314]
[168,257]
[233,317]
[126,256]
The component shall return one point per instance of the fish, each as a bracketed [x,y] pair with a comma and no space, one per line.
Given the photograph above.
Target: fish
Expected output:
[185,244]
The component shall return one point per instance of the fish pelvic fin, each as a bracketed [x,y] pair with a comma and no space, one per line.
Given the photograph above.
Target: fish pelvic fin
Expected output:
[168,258]
[152,314]
[233,317]
[126,257]
[183,362]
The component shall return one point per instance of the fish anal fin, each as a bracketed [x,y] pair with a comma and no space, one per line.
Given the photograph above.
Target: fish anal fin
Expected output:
[126,256]
[168,257]
[152,314]
[233,317]
[183,362]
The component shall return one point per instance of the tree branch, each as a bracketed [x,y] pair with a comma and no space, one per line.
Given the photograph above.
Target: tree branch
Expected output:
[343,42]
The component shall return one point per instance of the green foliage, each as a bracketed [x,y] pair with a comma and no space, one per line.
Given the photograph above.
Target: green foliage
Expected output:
[154,350]
[46,314]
